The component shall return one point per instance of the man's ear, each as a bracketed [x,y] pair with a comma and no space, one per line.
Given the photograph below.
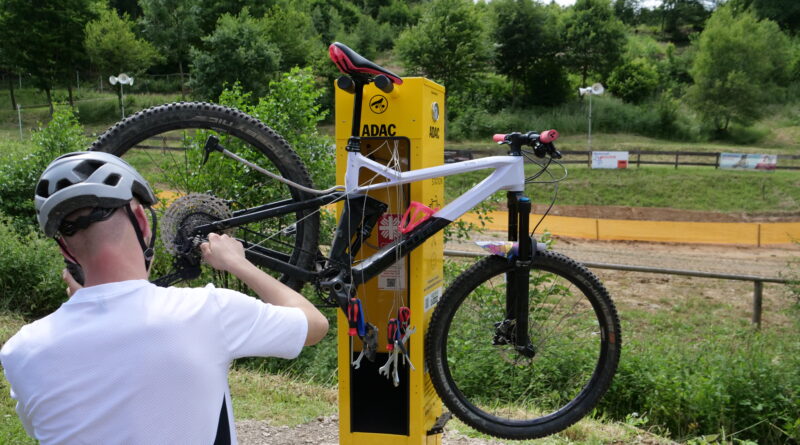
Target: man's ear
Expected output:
[141,219]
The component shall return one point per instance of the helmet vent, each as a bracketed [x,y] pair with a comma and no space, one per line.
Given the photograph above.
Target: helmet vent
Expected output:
[112,180]
[86,168]
[62,184]
[41,188]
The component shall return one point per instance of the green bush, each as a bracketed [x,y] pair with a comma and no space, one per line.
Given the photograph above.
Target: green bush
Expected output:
[30,278]
[730,380]
[656,118]
[63,134]
[633,81]
[292,109]
[99,110]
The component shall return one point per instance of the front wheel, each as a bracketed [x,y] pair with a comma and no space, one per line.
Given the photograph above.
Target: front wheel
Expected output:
[575,336]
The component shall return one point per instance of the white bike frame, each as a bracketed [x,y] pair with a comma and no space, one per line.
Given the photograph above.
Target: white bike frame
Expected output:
[508,175]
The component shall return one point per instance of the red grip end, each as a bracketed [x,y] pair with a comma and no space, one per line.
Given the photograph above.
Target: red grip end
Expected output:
[352,332]
[548,136]
[499,137]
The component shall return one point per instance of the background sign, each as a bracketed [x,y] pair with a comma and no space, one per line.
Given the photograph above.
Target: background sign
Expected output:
[748,161]
[609,159]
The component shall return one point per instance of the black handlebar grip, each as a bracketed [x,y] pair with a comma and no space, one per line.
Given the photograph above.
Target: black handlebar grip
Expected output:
[76,271]
[383,83]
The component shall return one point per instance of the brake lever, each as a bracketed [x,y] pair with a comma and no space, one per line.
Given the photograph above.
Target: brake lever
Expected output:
[554,153]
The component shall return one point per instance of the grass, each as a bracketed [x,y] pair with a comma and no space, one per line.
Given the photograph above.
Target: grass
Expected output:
[99,109]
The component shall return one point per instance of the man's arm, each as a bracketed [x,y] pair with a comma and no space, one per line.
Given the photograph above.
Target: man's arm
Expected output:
[227,254]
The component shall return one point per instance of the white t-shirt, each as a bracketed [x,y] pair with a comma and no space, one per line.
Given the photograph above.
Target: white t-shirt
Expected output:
[133,363]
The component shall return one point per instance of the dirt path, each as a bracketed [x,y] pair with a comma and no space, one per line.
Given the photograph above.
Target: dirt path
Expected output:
[323,431]
[735,259]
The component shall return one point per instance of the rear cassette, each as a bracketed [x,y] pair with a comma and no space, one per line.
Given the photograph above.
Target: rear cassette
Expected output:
[186,214]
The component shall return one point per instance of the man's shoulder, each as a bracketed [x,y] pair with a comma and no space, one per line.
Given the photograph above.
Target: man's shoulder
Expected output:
[27,337]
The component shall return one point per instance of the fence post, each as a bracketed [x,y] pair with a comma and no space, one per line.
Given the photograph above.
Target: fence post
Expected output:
[676,160]
[758,287]
[717,165]
[19,117]
[638,157]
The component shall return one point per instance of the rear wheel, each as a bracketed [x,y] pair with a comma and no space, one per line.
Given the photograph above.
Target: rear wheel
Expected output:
[485,382]
[165,144]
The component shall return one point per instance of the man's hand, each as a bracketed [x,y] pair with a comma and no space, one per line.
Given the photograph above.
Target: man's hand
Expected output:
[223,252]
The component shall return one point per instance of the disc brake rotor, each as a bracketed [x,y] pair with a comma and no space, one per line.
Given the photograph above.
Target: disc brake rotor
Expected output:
[186,214]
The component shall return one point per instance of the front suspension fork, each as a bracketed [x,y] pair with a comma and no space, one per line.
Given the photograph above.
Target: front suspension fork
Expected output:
[515,326]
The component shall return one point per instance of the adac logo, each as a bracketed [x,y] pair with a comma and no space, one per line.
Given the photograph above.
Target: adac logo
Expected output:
[378,104]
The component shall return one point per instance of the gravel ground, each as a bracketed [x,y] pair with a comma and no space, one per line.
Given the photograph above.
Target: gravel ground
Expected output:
[323,431]
[771,261]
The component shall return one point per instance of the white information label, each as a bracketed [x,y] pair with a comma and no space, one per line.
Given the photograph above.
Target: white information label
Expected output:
[433,298]
[609,159]
[393,278]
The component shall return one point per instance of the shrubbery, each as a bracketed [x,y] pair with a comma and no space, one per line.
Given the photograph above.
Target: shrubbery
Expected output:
[30,279]
[742,382]
[658,117]
[62,134]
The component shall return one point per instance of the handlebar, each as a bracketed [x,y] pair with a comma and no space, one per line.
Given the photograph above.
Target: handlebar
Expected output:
[542,143]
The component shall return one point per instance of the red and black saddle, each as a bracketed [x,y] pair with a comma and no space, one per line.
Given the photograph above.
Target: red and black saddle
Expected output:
[352,63]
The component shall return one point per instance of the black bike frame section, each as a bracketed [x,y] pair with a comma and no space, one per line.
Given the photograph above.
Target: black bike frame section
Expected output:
[270,210]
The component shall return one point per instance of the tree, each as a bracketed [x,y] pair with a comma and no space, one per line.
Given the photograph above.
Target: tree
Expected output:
[741,63]
[7,68]
[528,42]
[627,11]
[595,38]
[449,44]
[292,31]
[212,10]
[113,48]
[680,18]
[45,39]
[785,12]
[239,50]
[634,81]
[173,26]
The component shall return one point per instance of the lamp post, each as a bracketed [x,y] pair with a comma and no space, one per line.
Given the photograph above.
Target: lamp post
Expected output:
[122,79]
[594,90]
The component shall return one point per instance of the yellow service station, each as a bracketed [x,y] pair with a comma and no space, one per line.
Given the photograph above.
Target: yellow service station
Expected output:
[403,129]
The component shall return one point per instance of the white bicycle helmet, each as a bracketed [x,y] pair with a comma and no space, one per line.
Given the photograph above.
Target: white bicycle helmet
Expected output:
[89,179]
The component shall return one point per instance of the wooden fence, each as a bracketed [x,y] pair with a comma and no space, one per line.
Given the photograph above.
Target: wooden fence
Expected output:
[635,157]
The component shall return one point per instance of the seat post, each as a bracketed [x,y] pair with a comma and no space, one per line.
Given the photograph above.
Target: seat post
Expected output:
[354,142]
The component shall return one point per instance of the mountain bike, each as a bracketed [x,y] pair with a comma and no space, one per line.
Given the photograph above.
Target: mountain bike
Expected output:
[521,345]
